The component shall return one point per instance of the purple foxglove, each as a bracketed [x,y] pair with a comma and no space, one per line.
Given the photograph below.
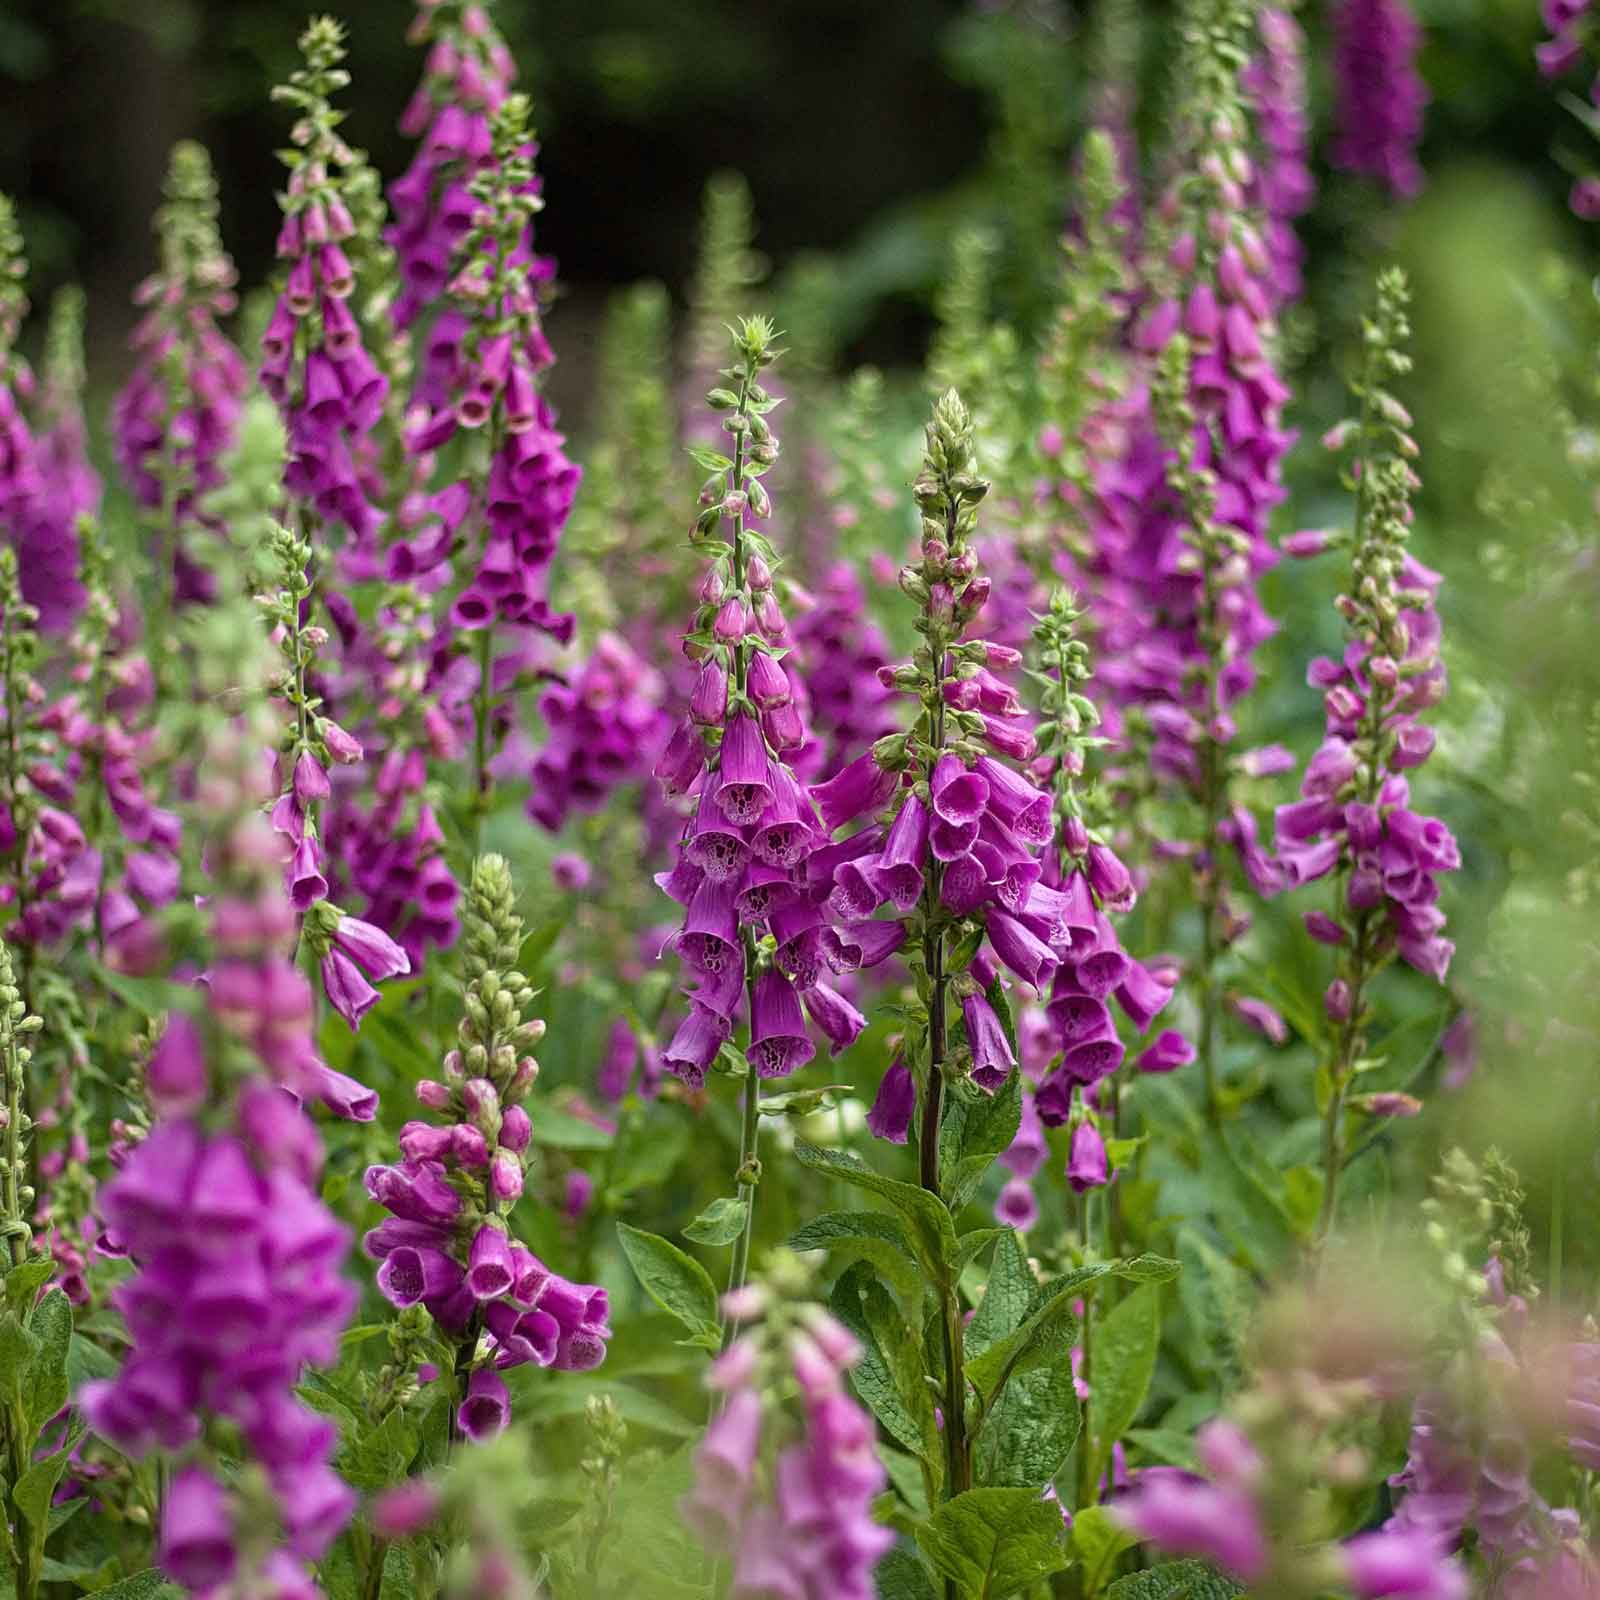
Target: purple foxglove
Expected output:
[834,1015]
[487,1408]
[489,1267]
[695,1044]
[1170,1051]
[1086,1164]
[1142,996]
[779,1043]
[1017,1206]
[346,987]
[959,796]
[992,1059]
[372,948]
[414,1273]
[890,1116]
[859,788]
[1027,956]
[767,682]
[898,874]
[177,1079]
[743,787]
[1015,802]
[197,1546]
[855,945]
[303,876]
[708,705]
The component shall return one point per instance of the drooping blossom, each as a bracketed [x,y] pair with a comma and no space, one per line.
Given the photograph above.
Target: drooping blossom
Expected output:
[237,1285]
[789,1499]
[315,362]
[755,852]
[1355,817]
[1381,94]
[447,1243]
[607,725]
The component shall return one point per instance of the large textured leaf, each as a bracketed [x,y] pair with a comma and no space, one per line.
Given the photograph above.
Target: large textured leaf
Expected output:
[1215,1295]
[1174,1580]
[902,1575]
[889,1376]
[994,1542]
[932,1231]
[675,1281]
[1123,1360]
[146,1585]
[977,1128]
[46,1389]
[1026,1436]
[1006,1297]
[873,1236]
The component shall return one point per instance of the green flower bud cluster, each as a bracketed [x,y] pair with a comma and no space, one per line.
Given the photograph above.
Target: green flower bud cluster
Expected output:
[495,1034]
[21,742]
[13,292]
[16,1196]
[1068,718]
[1382,479]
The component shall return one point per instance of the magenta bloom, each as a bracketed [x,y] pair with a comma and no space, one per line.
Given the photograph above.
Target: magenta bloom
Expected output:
[890,1116]
[1381,94]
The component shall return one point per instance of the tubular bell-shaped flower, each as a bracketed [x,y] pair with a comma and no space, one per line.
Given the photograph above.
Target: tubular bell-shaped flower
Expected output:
[237,1260]
[791,1504]
[1355,820]
[449,1245]
[314,363]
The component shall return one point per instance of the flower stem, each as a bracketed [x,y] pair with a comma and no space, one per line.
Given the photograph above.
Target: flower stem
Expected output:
[750,1124]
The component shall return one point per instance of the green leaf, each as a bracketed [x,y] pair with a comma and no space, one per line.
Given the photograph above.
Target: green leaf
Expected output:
[675,1281]
[1216,1300]
[18,1346]
[720,1223]
[994,1542]
[1123,1361]
[889,1377]
[1006,1296]
[988,1124]
[146,1585]
[1097,1540]
[45,1391]
[932,1231]
[32,1491]
[902,1575]
[25,1280]
[1046,1328]
[375,1458]
[1170,1446]
[561,1130]
[873,1236]
[972,1244]
[707,458]
[1031,1427]
[1174,1580]
[1147,1269]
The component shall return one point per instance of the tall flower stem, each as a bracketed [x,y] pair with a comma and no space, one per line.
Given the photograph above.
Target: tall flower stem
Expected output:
[1382,481]
[748,1174]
